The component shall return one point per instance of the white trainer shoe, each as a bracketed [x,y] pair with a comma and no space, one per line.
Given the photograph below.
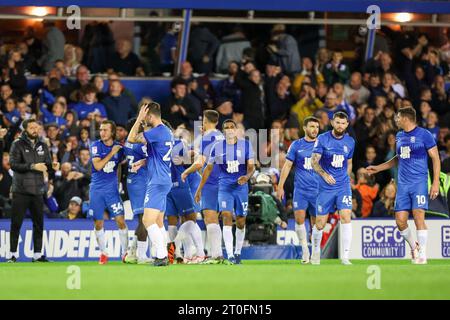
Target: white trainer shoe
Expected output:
[315,258]
[346,262]
[130,257]
[145,260]
[305,257]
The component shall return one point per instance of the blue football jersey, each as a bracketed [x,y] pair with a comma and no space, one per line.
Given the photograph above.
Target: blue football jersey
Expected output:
[179,150]
[231,160]
[107,177]
[135,152]
[207,142]
[300,153]
[335,153]
[159,148]
[412,151]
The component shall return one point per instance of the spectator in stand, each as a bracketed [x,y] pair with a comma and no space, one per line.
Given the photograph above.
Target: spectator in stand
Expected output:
[29,60]
[425,110]
[279,105]
[89,107]
[231,49]
[380,64]
[180,108]
[53,45]
[384,207]
[55,116]
[168,48]
[342,103]
[73,56]
[307,105]
[368,190]
[99,84]
[354,92]
[322,58]
[82,79]
[415,82]
[11,115]
[390,152]
[308,70]
[114,76]
[331,104]
[125,62]
[13,72]
[440,102]
[66,185]
[224,107]
[284,48]
[85,141]
[252,98]
[432,125]
[121,134]
[228,88]
[117,104]
[365,130]
[73,211]
[335,70]
[68,150]
[202,47]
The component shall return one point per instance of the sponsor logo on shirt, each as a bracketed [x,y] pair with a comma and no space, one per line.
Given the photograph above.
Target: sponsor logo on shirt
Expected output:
[413,139]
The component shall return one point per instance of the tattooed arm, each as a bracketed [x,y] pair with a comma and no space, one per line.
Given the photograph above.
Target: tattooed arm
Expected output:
[317,168]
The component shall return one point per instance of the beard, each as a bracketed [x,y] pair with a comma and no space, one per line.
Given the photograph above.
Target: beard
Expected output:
[32,136]
[339,132]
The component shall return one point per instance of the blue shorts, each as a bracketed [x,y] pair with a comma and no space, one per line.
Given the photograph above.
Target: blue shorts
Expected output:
[234,200]
[156,196]
[101,200]
[179,202]
[411,197]
[209,197]
[328,201]
[136,196]
[305,200]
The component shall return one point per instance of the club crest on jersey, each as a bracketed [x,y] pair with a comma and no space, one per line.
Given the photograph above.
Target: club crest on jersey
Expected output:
[345,149]
[413,139]
[94,150]
[238,153]
[40,151]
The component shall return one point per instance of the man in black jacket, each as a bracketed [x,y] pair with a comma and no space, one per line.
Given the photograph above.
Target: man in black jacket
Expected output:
[30,160]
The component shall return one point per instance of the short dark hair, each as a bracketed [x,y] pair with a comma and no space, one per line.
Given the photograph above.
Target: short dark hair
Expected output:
[178,81]
[310,119]
[229,121]
[26,122]
[154,108]
[408,112]
[89,88]
[340,115]
[113,127]
[83,149]
[212,116]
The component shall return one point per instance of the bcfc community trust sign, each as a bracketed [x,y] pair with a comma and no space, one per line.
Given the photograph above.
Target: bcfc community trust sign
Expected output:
[382,242]
[381,239]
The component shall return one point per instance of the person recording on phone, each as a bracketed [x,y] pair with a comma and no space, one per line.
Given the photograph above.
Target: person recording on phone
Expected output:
[31,162]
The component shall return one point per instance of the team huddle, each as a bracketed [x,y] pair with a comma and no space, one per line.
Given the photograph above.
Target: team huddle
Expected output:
[164,181]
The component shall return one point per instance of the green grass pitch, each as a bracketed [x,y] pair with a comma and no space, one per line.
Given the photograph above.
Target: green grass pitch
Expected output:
[275,279]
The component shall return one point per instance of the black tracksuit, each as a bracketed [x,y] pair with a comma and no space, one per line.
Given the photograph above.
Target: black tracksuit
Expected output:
[28,187]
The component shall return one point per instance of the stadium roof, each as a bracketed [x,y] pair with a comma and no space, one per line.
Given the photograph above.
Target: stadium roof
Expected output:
[414,6]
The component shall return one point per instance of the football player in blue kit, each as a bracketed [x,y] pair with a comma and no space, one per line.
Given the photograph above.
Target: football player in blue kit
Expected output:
[136,183]
[106,156]
[159,142]
[306,181]
[180,203]
[332,160]
[413,147]
[208,202]
[236,162]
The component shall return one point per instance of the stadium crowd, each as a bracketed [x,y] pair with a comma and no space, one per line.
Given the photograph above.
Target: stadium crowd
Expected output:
[265,87]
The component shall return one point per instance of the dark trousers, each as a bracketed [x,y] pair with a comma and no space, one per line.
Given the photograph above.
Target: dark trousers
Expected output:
[20,204]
